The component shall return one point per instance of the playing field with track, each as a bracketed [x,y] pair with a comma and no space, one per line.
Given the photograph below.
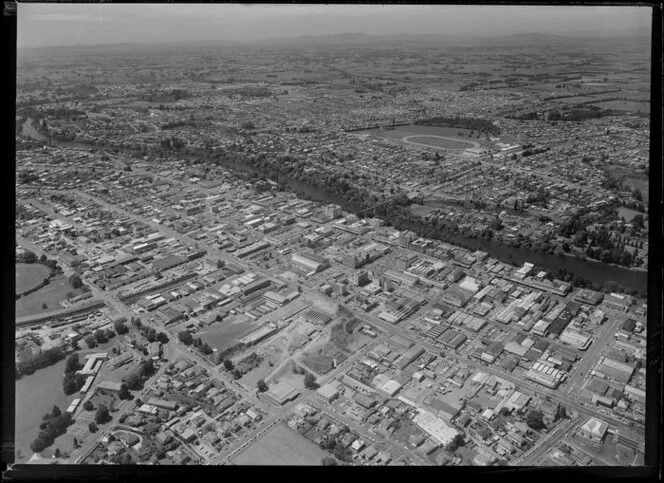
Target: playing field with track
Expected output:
[439,142]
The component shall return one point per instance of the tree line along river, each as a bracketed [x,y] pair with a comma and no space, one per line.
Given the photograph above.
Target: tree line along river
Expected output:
[588,270]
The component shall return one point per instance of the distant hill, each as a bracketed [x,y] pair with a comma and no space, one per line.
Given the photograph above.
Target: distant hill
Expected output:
[529,39]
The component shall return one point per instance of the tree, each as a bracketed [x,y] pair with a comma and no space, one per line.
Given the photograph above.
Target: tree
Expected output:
[28,257]
[262,386]
[186,337]
[110,333]
[236,374]
[44,306]
[162,337]
[70,383]
[134,382]
[102,415]
[637,221]
[100,336]
[55,412]
[57,452]
[93,427]
[535,420]
[561,412]
[120,327]
[124,392]
[228,365]
[73,363]
[310,381]
[88,406]
[329,461]
[637,194]
[75,281]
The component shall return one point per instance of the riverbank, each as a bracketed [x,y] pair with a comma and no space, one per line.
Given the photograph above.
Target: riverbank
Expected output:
[582,269]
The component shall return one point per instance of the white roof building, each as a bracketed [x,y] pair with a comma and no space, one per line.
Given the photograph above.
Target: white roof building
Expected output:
[435,427]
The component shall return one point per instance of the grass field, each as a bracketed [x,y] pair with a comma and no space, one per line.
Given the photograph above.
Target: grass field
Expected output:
[439,142]
[281,446]
[624,105]
[51,295]
[29,275]
[224,335]
[35,396]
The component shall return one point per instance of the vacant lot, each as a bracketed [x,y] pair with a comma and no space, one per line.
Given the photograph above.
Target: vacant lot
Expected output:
[29,275]
[281,446]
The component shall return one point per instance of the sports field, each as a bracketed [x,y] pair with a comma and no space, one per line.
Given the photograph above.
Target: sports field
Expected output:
[29,275]
[51,295]
[439,142]
[281,446]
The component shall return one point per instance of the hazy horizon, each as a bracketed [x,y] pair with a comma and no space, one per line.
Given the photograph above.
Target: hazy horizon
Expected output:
[43,25]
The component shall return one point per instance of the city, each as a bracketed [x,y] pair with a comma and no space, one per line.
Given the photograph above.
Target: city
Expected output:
[333,250]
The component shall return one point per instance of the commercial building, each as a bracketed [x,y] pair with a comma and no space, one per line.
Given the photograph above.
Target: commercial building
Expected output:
[575,339]
[163,404]
[310,262]
[456,296]
[409,356]
[545,373]
[329,392]
[616,370]
[586,296]
[281,393]
[618,301]
[435,427]
[594,429]
[391,387]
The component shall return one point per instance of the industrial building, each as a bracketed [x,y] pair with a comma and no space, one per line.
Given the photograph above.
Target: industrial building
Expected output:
[309,262]
[435,427]
[545,373]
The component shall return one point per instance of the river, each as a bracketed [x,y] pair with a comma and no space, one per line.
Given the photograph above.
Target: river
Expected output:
[585,269]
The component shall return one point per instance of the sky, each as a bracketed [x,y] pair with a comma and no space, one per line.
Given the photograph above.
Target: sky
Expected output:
[90,24]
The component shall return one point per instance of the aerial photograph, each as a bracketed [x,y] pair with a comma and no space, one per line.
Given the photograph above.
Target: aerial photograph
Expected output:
[331,235]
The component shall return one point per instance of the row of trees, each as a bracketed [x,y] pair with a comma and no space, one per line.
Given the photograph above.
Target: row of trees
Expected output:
[54,424]
[100,336]
[188,339]
[72,382]
[472,123]
[136,379]
[40,360]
